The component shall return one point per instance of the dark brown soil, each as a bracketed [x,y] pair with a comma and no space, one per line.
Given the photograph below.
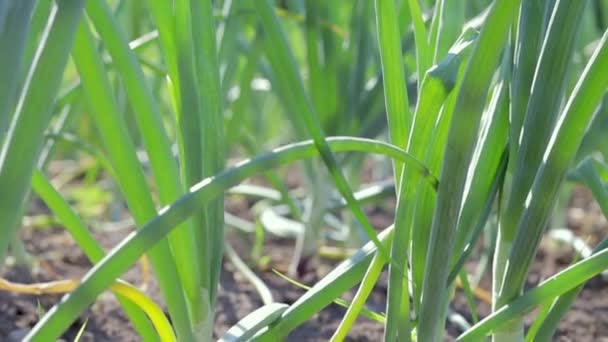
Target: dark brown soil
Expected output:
[59,258]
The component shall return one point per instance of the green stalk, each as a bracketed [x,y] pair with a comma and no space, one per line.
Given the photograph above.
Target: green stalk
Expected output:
[595,177]
[490,155]
[189,114]
[318,84]
[557,157]
[541,113]
[131,178]
[399,119]
[427,140]
[398,322]
[542,110]
[468,291]
[424,53]
[15,19]
[40,15]
[360,49]
[240,108]
[448,21]
[212,134]
[25,137]
[471,236]
[399,116]
[158,145]
[459,151]
[227,32]
[367,285]
[525,56]
[163,14]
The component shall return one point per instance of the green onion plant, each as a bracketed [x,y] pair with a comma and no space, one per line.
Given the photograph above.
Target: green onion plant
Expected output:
[486,112]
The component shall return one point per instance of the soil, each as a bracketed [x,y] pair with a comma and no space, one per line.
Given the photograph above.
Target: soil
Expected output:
[58,258]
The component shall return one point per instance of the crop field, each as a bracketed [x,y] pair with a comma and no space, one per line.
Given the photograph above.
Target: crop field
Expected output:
[303,170]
